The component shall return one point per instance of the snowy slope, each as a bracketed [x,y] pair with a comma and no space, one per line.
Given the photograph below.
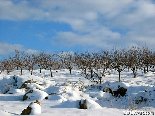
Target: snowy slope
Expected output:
[60,95]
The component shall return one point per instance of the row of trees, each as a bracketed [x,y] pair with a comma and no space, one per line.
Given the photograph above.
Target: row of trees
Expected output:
[94,66]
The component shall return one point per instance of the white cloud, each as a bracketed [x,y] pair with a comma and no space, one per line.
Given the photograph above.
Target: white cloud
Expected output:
[91,16]
[98,38]
[6,48]
[19,11]
[31,51]
[92,21]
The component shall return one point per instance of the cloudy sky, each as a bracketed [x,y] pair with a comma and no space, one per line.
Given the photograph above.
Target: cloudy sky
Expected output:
[75,25]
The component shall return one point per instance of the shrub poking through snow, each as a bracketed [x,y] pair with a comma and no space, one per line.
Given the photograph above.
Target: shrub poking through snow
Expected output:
[32,109]
[83,104]
[140,100]
[25,96]
[108,90]
[24,85]
[120,91]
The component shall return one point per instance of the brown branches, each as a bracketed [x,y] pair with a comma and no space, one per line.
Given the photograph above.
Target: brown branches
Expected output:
[94,66]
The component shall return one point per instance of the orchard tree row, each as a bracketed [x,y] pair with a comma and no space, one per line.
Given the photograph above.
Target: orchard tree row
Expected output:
[94,66]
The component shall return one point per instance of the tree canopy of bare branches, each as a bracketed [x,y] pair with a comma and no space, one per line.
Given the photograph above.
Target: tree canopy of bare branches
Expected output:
[94,66]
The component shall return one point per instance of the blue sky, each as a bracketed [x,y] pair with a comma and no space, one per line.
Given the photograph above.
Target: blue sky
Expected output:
[75,25]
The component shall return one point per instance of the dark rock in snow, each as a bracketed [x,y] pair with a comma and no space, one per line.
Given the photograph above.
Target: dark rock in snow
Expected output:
[115,93]
[121,91]
[28,110]
[107,90]
[36,102]
[25,96]
[83,104]
[24,85]
[46,97]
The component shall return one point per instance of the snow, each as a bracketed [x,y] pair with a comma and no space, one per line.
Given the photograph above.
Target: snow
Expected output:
[61,94]
[36,95]
[92,104]
[36,109]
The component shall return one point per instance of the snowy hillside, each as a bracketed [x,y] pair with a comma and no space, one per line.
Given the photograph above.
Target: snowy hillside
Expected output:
[61,94]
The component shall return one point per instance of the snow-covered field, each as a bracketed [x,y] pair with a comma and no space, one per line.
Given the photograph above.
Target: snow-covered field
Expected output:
[61,94]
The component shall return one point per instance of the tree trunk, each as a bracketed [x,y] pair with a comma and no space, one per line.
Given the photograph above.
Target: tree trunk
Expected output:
[128,69]
[32,71]
[85,71]
[40,70]
[144,70]
[134,73]
[21,71]
[7,71]
[91,71]
[100,80]
[70,70]
[103,72]
[51,74]
[147,68]
[119,76]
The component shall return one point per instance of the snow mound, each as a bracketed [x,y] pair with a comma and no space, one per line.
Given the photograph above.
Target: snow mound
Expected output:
[35,94]
[52,90]
[57,98]
[67,104]
[15,91]
[98,95]
[106,95]
[32,109]
[34,85]
[114,85]
[91,104]
[36,109]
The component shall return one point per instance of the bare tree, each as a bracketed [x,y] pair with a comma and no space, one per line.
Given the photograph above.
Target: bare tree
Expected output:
[68,60]
[19,60]
[146,59]
[80,62]
[106,62]
[133,60]
[1,67]
[153,61]
[53,63]
[89,65]
[42,60]
[119,60]
[94,66]
[101,61]
[31,61]
[7,64]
